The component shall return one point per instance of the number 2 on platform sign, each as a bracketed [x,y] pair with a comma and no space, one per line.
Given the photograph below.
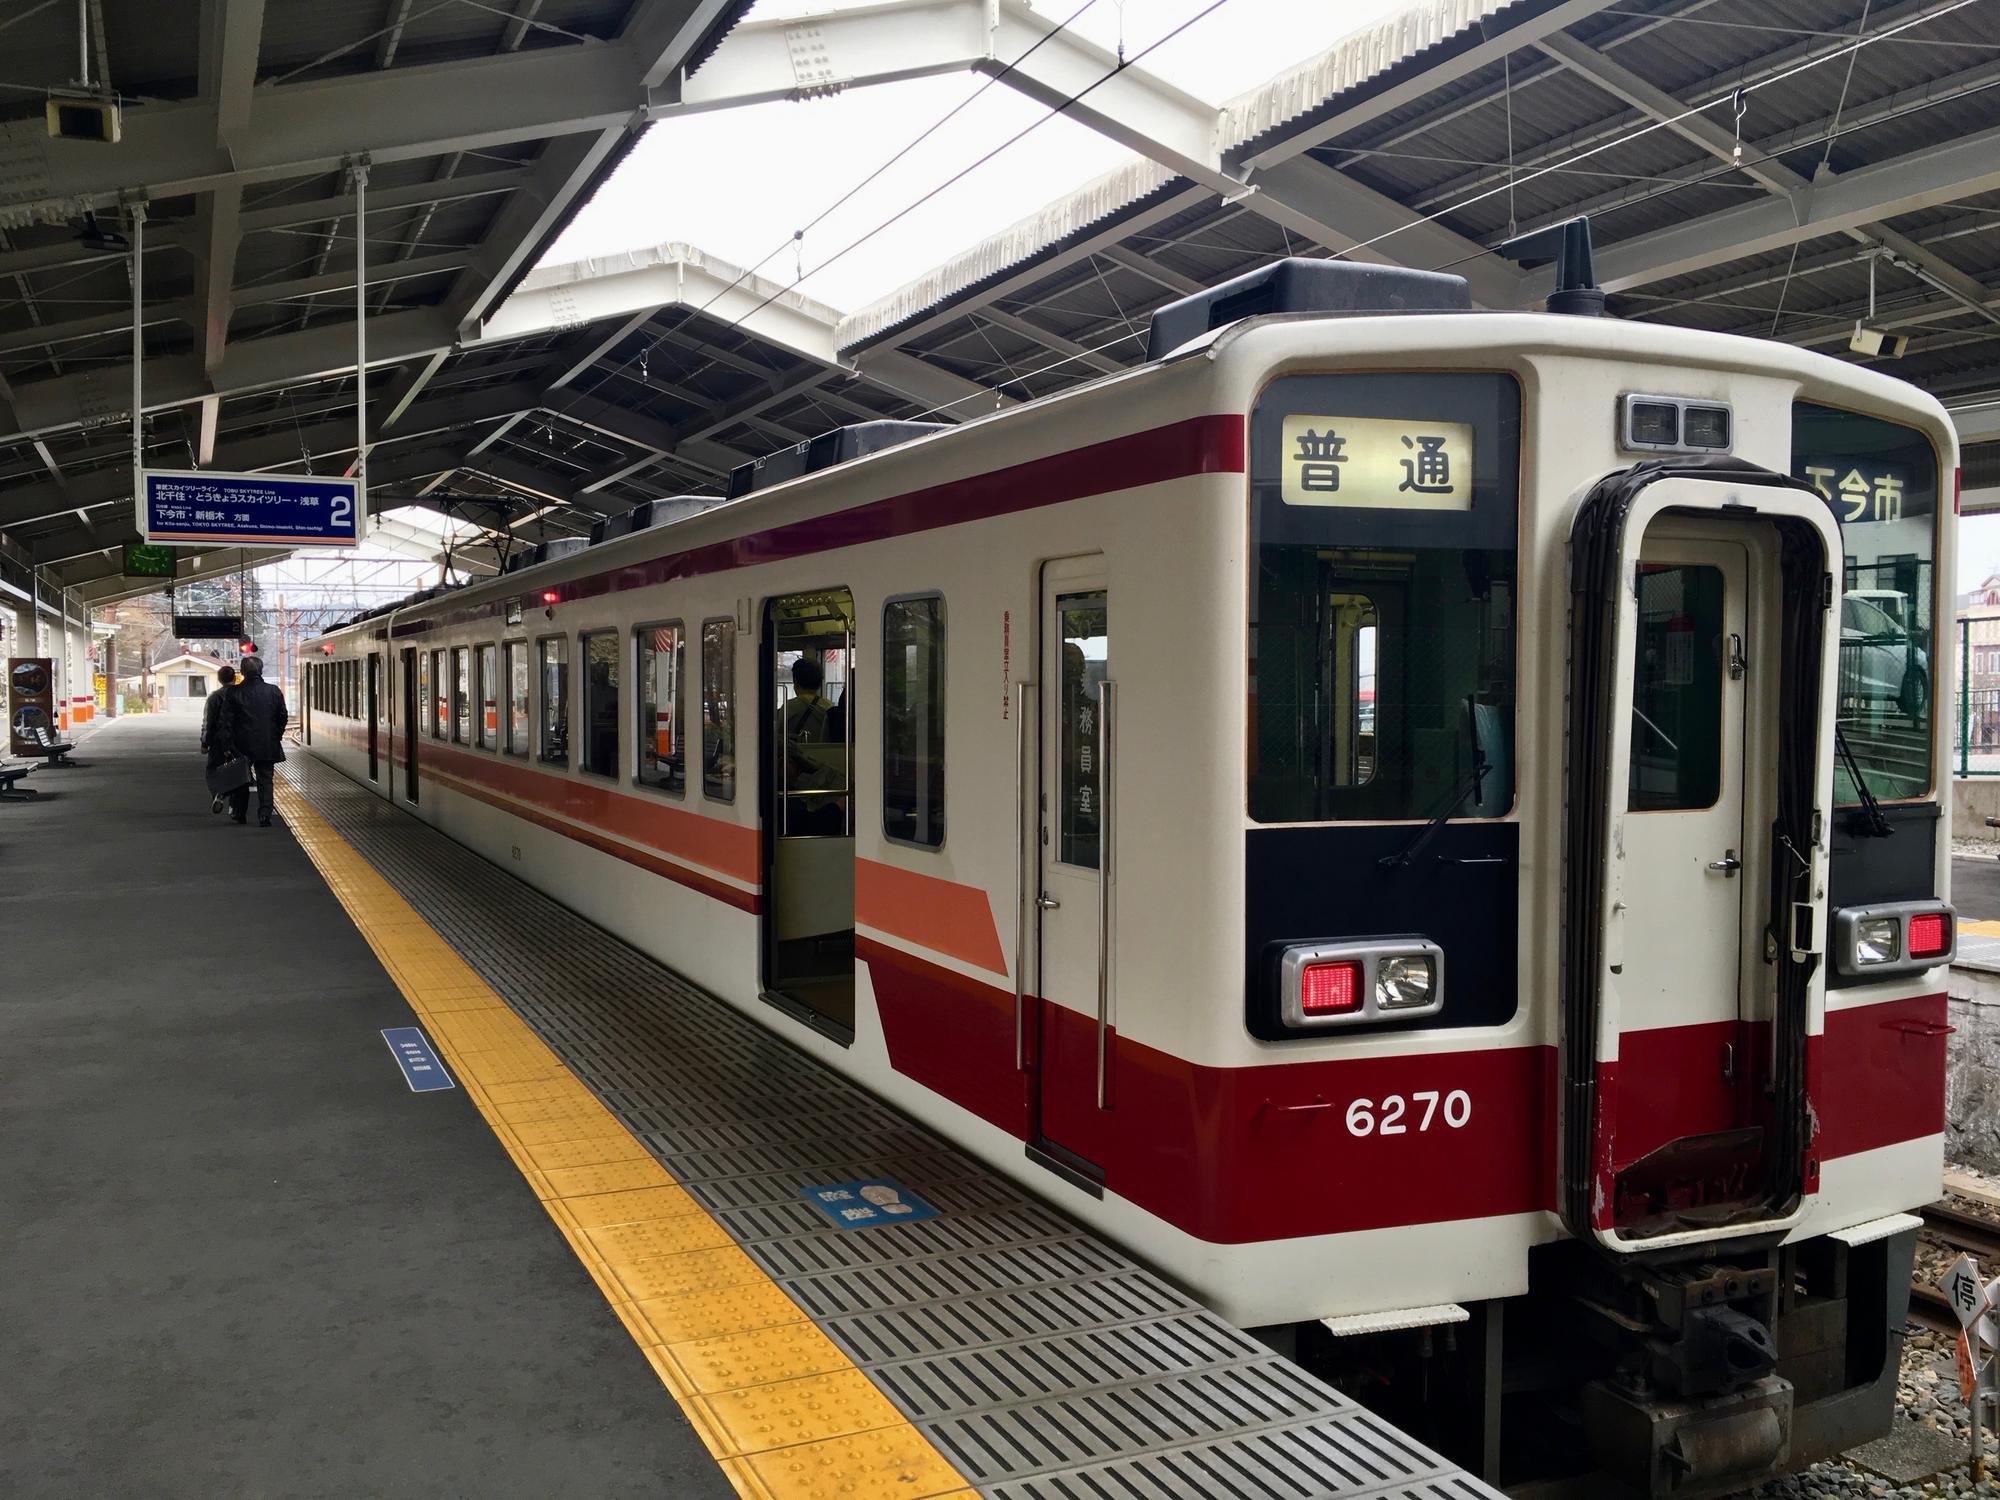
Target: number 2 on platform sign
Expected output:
[1421,1110]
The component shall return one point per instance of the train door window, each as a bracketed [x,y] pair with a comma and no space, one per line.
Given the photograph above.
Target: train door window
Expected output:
[598,657]
[661,697]
[486,690]
[440,695]
[913,656]
[806,797]
[718,710]
[372,698]
[423,714]
[1085,663]
[461,695]
[1882,481]
[1676,760]
[413,662]
[554,653]
[515,657]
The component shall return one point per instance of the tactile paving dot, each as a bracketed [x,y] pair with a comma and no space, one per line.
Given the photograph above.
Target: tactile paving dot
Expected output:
[694,1271]
[807,1410]
[720,1310]
[621,1244]
[885,1463]
[760,1356]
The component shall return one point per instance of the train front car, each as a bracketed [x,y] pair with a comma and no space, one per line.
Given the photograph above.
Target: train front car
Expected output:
[1592,882]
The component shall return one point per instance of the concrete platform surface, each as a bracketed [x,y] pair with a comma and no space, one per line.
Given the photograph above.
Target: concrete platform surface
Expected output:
[240,1256]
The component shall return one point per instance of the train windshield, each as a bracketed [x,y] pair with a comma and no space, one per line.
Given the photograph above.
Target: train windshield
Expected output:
[1881,479]
[1384,520]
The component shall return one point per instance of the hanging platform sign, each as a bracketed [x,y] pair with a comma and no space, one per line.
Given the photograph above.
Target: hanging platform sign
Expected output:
[249,510]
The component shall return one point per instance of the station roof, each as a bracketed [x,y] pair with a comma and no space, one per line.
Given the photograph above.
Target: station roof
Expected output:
[1744,166]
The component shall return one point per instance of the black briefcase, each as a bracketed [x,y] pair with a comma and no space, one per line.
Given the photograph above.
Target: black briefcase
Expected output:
[231,775]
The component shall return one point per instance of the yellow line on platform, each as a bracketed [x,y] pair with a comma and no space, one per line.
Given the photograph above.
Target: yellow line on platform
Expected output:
[1979,928]
[784,1412]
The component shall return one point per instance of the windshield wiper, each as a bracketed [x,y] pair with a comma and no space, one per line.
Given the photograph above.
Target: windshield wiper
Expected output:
[1471,790]
[1871,820]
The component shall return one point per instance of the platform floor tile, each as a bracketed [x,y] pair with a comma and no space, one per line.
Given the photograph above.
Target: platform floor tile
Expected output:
[998,1348]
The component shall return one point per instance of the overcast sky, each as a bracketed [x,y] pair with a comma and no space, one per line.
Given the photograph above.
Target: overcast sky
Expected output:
[738,182]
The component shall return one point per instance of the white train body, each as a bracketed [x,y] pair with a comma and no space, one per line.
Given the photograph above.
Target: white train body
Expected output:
[1268,809]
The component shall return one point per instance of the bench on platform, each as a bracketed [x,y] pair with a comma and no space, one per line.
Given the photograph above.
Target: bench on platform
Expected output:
[54,752]
[10,791]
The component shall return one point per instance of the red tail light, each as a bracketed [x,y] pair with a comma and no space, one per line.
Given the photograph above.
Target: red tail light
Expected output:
[1930,934]
[1327,989]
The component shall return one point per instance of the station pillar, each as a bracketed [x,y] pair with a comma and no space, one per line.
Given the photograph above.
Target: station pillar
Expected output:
[82,680]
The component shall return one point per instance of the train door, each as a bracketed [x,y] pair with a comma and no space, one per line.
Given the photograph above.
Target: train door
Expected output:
[807,798]
[1700,698]
[1683,1049]
[409,718]
[1076,872]
[374,691]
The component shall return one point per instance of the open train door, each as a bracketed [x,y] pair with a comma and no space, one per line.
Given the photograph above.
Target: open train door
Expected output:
[1702,689]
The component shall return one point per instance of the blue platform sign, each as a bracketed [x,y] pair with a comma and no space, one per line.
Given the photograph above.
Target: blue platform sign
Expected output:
[863,1205]
[419,1063]
[192,506]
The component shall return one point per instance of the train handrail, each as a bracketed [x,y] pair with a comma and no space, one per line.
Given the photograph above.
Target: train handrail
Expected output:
[1020,875]
[1107,864]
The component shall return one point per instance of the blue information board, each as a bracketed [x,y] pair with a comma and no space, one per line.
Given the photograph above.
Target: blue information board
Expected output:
[862,1205]
[249,510]
[414,1056]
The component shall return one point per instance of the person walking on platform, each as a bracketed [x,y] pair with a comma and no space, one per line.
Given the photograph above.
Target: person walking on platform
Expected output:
[215,733]
[257,718]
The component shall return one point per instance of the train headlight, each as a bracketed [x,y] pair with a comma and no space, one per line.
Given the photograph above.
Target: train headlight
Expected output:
[1404,981]
[1897,937]
[1351,981]
[1878,940]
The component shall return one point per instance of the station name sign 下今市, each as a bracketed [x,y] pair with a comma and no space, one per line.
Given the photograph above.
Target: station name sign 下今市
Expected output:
[249,510]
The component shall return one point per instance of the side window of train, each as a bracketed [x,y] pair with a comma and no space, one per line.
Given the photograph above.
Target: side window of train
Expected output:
[1882,480]
[662,701]
[1385,513]
[553,652]
[514,658]
[913,658]
[486,690]
[718,710]
[598,657]
[461,694]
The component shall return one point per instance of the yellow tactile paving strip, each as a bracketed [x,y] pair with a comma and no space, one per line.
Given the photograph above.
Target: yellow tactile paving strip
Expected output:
[781,1409]
[1979,928]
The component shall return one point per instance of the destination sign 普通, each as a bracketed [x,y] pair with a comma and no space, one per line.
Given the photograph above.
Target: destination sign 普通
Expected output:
[1380,463]
[249,510]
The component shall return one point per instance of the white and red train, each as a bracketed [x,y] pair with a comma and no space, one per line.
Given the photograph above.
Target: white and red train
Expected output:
[1361,809]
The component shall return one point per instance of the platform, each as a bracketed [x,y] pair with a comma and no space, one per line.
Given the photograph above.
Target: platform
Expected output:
[996,1347]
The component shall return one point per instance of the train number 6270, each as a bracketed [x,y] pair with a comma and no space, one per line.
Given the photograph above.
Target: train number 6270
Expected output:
[1366,1117]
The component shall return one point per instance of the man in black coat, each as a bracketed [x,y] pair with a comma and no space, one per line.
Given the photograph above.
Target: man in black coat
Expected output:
[257,718]
[214,733]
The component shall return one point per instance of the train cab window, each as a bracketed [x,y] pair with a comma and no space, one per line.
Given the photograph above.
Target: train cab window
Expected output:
[514,656]
[718,710]
[440,695]
[1676,760]
[1384,517]
[554,654]
[486,690]
[599,659]
[913,653]
[461,695]
[662,699]
[1882,480]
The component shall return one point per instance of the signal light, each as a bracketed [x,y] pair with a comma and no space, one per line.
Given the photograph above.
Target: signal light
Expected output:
[1930,934]
[1330,989]
[247,647]
[549,596]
